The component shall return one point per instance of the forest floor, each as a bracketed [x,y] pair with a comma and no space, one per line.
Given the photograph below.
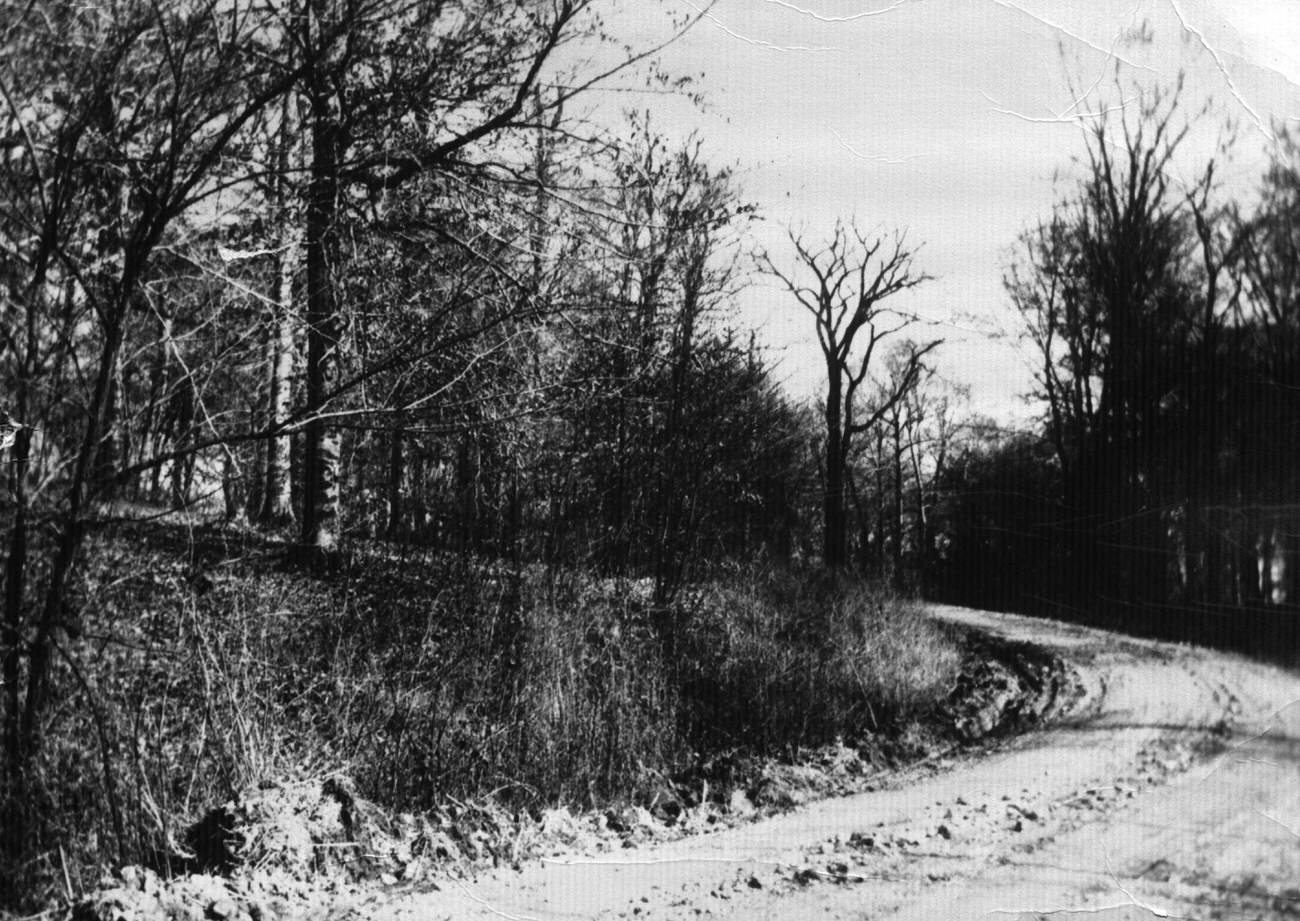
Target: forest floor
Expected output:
[1163,781]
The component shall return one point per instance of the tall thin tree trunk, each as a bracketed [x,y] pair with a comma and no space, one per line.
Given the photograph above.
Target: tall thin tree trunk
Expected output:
[15,595]
[277,496]
[396,471]
[421,527]
[147,435]
[467,480]
[109,454]
[70,536]
[320,520]
[181,468]
[672,548]
[834,537]
[896,516]
[277,493]
[922,554]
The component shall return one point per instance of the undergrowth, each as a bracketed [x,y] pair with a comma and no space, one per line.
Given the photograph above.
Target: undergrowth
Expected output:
[196,670]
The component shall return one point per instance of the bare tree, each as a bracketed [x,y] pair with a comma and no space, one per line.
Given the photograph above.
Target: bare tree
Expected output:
[393,92]
[1118,310]
[148,101]
[843,284]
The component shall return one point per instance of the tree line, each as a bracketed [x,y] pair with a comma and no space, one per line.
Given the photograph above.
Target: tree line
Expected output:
[1163,315]
[364,271]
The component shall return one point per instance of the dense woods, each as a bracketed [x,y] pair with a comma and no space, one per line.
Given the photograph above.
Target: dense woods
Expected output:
[1159,492]
[349,313]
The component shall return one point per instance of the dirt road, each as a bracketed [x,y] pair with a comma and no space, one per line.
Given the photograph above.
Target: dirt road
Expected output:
[1171,788]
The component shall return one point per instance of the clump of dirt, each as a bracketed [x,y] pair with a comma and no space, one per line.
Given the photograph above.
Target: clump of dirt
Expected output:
[831,770]
[310,827]
[276,851]
[139,893]
[1005,688]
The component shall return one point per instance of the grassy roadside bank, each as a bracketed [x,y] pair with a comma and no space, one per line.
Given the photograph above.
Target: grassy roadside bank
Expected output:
[453,702]
[312,850]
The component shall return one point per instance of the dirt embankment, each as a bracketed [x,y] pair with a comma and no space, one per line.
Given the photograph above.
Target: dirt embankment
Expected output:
[316,847]
[1168,787]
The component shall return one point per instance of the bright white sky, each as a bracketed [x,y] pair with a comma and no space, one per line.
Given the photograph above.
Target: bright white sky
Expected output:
[941,117]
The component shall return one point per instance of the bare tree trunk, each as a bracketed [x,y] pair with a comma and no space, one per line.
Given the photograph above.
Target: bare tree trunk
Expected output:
[321,480]
[881,524]
[110,449]
[277,497]
[277,492]
[834,532]
[512,525]
[182,467]
[320,520]
[421,527]
[467,477]
[396,471]
[15,595]
[146,440]
[672,548]
[922,553]
[70,536]
[232,488]
[896,516]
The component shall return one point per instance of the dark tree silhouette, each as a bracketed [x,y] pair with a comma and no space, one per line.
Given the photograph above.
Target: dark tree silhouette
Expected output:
[842,285]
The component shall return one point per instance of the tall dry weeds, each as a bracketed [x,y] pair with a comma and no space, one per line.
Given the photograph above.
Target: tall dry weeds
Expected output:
[425,680]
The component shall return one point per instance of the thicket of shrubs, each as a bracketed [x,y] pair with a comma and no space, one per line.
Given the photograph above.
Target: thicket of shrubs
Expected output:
[216,670]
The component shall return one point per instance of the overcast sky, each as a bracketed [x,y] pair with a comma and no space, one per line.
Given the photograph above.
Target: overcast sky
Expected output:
[950,119]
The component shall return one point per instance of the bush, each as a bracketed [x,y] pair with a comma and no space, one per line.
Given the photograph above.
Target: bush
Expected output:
[780,661]
[201,674]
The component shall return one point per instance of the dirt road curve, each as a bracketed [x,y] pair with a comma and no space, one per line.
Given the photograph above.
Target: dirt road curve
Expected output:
[1171,789]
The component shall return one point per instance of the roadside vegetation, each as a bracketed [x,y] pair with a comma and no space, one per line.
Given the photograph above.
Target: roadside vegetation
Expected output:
[204,670]
[374,414]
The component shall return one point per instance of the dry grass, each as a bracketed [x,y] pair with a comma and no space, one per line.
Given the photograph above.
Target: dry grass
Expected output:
[778,661]
[202,673]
